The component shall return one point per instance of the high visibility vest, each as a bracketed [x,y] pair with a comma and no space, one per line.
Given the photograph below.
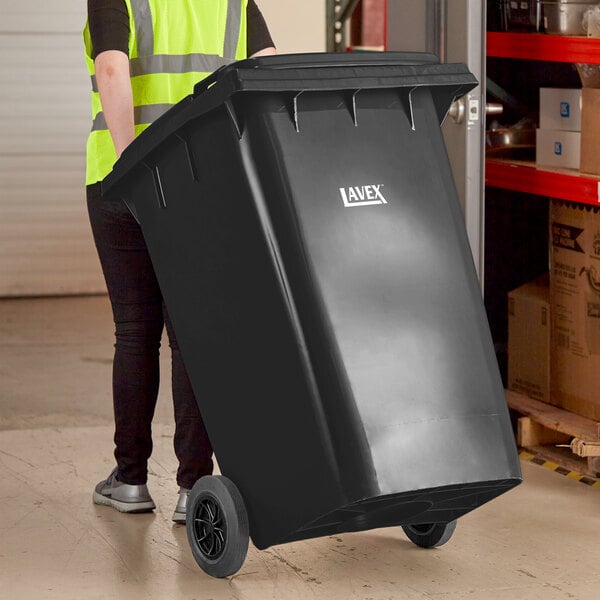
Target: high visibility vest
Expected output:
[173,44]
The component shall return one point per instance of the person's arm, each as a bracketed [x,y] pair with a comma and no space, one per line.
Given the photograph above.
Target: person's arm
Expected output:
[109,32]
[114,86]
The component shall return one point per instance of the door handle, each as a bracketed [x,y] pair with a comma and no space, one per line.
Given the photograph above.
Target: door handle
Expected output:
[493,108]
[458,110]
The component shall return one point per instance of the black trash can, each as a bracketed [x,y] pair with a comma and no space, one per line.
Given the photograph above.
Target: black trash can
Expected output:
[304,226]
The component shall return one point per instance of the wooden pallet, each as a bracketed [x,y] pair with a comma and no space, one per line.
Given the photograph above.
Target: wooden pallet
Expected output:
[559,436]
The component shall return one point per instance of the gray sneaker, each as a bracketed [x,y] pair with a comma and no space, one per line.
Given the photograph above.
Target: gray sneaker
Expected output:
[180,509]
[123,496]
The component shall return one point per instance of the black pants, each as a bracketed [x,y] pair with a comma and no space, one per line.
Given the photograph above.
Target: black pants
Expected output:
[140,315]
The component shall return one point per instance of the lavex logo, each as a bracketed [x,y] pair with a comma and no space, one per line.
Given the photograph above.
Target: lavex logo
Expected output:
[364,195]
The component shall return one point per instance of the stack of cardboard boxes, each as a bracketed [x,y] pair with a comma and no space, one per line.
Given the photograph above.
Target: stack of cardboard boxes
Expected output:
[554,323]
[558,139]
[569,132]
[575,307]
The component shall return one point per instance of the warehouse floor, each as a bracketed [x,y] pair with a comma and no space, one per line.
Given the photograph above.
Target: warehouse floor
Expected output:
[539,541]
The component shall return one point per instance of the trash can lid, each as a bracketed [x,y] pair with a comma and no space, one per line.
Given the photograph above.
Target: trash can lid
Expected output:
[297,73]
[322,59]
[284,66]
[334,71]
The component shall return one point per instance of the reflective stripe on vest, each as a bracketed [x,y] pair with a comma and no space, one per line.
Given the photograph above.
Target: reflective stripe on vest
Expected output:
[142,115]
[175,63]
[144,30]
[232,28]
[165,63]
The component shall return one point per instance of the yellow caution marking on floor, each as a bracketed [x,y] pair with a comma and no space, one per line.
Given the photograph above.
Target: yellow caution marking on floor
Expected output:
[587,480]
[550,465]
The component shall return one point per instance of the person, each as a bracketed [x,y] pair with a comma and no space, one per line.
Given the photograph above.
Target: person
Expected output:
[143,56]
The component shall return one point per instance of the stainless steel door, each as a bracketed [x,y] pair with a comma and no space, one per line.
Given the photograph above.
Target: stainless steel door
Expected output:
[455,31]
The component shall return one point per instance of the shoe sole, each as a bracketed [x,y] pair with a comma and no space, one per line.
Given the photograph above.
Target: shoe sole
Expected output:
[179,517]
[124,507]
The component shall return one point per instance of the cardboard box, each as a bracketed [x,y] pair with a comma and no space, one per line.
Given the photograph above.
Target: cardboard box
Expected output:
[575,307]
[560,109]
[556,148]
[590,118]
[529,339]
[590,133]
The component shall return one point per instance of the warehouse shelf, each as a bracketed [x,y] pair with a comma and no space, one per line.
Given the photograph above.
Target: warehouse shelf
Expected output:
[539,46]
[524,176]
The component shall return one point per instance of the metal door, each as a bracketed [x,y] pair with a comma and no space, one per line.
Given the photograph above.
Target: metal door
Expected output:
[454,30]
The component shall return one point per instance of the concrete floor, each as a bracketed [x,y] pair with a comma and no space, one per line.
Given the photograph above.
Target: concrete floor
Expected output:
[539,541]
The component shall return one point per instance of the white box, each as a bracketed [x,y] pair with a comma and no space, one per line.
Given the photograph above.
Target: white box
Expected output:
[560,108]
[558,148]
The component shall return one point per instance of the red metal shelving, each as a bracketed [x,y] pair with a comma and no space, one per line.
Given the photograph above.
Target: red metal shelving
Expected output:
[526,177]
[539,46]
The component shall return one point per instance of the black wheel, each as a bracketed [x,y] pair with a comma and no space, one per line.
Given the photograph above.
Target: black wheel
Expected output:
[217,526]
[430,535]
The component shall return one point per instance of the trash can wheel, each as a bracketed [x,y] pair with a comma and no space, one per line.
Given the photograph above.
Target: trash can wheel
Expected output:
[217,526]
[430,535]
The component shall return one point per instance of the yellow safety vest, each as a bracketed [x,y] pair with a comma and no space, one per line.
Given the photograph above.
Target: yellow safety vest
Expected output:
[173,44]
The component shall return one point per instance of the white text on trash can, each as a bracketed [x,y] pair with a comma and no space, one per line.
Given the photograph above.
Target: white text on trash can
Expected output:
[364,195]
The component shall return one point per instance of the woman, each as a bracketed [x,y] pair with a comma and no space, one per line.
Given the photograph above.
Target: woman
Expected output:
[143,56]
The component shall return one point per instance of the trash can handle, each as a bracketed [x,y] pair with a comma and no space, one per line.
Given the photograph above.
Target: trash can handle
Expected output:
[203,85]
